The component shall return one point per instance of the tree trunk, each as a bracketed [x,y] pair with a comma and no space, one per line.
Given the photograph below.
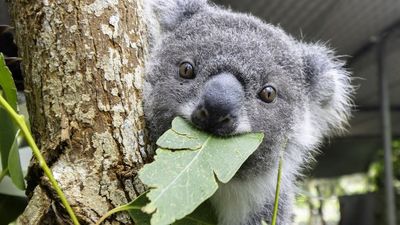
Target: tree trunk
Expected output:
[83,65]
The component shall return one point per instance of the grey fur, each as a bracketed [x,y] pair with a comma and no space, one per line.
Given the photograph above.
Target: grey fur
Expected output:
[313,99]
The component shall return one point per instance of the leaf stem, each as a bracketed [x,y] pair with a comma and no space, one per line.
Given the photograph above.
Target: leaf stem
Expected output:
[3,174]
[19,119]
[278,185]
[115,210]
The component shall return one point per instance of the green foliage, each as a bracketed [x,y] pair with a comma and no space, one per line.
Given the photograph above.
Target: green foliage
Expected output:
[10,208]
[187,166]
[377,168]
[9,131]
[396,159]
[376,174]
[135,210]
[14,164]
[203,215]
[7,84]
[10,125]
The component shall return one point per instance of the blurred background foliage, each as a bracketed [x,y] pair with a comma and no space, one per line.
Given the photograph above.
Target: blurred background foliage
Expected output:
[321,201]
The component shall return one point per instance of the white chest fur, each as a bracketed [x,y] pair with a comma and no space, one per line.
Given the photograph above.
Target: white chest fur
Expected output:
[235,200]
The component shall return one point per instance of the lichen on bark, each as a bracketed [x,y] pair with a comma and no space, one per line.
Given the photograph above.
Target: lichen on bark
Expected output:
[83,65]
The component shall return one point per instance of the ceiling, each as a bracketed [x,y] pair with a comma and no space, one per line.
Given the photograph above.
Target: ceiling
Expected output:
[347,26]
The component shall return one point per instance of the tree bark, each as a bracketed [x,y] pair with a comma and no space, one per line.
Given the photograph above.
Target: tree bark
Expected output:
[83,65]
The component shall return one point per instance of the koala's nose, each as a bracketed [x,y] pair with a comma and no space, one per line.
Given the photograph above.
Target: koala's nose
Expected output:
[213,121]
[220,103]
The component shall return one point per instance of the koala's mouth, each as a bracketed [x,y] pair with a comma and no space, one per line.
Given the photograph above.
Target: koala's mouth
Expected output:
[217,130]
[213,123]
[224,129]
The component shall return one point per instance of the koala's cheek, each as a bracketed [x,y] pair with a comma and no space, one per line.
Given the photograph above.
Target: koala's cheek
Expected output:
[244,124]
[186,109]
[272,120]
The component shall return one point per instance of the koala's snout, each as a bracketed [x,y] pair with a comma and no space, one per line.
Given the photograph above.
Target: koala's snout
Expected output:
[219,105]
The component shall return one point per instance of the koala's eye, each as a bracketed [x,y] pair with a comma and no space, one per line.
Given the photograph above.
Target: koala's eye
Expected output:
[186,70]
[267,94]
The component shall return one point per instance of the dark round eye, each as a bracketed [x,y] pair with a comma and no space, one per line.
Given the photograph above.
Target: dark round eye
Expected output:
[267,94]
[186,70]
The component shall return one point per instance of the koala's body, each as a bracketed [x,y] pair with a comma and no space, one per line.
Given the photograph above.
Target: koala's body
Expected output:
[230,73]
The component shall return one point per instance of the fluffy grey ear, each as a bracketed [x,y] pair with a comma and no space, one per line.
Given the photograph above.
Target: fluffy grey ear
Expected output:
[329,88]
[164,15]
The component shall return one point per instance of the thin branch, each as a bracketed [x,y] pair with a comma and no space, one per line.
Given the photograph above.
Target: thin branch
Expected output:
[19,119]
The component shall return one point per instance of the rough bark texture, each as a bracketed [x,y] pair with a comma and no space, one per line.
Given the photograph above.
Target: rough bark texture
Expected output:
[83,66]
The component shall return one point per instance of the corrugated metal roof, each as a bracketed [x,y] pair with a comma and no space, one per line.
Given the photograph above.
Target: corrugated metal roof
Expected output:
[347,25]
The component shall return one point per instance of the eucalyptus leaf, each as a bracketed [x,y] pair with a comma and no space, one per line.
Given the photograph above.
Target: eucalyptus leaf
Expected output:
[203,215]
[181,180]
[135,212]
[7,84]
[14,165]
[8,128]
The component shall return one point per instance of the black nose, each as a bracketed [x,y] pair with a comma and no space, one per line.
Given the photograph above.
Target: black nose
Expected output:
[219,123]
[220,103]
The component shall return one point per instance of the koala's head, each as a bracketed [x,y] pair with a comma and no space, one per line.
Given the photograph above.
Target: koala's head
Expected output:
[230,73]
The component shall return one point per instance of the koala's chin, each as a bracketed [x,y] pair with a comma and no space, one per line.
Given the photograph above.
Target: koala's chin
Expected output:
[218,107]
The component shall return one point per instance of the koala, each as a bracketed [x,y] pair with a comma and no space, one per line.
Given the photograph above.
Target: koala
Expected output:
[230,73]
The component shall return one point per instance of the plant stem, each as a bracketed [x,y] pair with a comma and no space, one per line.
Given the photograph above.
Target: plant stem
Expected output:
[278,185]
[3,174]
[19,119]
[115,210]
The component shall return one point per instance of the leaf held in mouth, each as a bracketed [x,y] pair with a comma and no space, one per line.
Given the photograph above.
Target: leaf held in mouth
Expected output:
[187,167]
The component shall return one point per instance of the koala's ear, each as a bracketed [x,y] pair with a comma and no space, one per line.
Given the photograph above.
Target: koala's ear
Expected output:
[329,86]
[164,15]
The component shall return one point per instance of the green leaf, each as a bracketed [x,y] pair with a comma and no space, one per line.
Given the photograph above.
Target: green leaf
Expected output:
[138,216]
[134,210]
[8,128]
[182,180]
[182,136]
[14,165]
[3,173]
[7,84]
[203,215]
